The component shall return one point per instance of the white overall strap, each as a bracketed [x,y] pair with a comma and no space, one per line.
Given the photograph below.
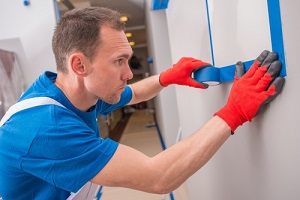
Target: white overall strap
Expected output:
[28,103]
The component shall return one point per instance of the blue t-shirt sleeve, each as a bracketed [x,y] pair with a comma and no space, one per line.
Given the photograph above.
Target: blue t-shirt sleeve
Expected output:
[68,154]
[105,108]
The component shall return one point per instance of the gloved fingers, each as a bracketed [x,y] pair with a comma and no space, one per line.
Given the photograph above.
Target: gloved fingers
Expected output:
[264,82]
[274,69]
[191,63]
[193,83]
[181,72]
[252,70]
[266,58]
[271,57]
[278,83]
[184,63]
[258,75]
[239,69]
[269,76]
[262,56]
[197,64]
[265,97]
[274,89]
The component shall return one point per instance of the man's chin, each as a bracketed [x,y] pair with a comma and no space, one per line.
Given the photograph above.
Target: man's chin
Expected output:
[112,100]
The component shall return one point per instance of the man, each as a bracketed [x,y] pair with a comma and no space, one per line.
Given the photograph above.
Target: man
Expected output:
[49,143]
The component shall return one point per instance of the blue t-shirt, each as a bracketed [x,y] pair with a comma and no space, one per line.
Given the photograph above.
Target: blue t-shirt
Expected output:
[48,151]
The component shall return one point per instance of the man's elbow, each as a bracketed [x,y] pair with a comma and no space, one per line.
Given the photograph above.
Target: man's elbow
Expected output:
[164,187]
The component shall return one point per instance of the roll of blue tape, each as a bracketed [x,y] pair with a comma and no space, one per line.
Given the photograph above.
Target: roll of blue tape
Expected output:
[214,75]
[207,74]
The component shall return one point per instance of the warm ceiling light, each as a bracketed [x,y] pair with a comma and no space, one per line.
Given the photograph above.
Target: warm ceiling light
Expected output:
[132,43]
[128,34]
[124,18]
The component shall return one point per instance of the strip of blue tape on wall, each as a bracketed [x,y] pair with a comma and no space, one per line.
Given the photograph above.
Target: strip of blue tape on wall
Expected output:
[226,73]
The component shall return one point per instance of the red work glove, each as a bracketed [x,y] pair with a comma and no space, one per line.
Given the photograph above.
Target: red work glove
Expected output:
[252,92]
[181,73]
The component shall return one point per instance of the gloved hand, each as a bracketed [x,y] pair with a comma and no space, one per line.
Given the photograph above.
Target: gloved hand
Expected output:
[251,92]
[181,73]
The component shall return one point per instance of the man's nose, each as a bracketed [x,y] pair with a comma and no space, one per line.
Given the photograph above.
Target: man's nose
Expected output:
[127,73]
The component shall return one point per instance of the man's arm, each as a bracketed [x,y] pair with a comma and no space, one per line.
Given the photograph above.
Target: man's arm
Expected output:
[179,74]
[145,89]
[169,169]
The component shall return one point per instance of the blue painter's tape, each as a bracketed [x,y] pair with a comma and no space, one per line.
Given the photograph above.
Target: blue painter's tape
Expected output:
[248,64]
[207,74]
[276,32]
[210,35]
[218,74]
[159,4]
[226,73]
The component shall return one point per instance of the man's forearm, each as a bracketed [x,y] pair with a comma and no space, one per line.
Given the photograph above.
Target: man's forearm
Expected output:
[170,168]
[186,157]
[145,89]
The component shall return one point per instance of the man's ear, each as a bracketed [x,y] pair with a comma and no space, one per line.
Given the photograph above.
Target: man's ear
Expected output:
[77,64]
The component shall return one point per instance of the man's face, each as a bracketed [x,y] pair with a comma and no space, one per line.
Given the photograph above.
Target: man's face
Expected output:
[109,71]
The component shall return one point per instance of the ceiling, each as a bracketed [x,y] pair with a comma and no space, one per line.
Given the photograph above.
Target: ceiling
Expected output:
[134,9]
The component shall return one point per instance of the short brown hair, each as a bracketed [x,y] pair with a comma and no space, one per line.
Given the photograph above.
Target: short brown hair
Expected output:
[79,29]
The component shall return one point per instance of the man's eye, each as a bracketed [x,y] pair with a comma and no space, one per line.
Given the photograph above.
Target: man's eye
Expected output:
[120,61]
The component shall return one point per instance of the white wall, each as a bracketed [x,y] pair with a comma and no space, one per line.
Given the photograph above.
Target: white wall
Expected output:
[27,30]
[237,31]
[159,50]
[262,160]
